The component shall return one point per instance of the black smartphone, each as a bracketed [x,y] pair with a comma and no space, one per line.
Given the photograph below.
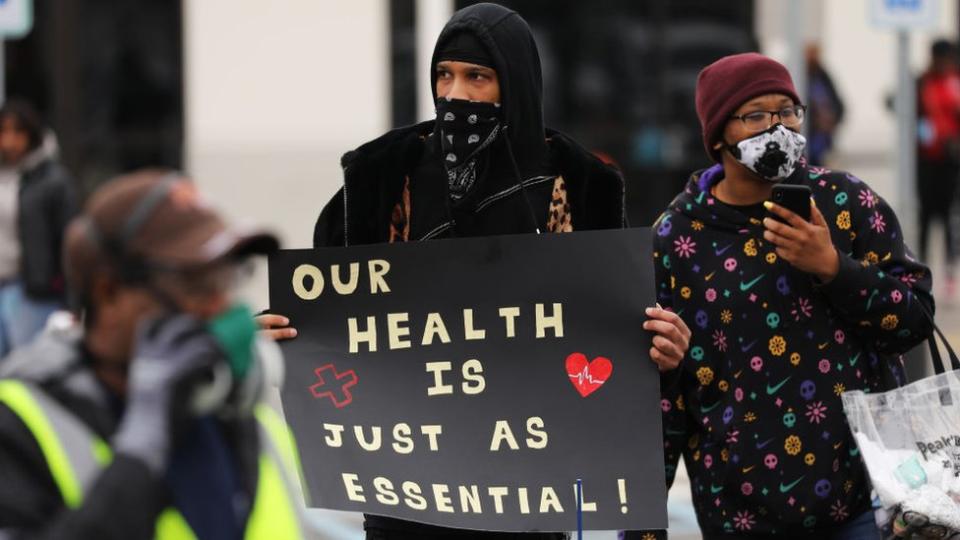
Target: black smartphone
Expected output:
[792,197]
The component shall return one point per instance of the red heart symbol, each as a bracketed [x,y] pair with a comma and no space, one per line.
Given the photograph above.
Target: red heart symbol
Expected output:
[586,376]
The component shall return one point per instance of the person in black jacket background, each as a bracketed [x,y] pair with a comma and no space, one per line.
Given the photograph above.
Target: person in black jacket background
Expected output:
[826,107]
[37,200]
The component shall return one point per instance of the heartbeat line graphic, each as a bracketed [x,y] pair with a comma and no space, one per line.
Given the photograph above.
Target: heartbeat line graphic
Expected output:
[585,376]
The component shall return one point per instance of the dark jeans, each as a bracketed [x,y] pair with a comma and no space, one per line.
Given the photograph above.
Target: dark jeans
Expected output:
[937,186]
[863,527]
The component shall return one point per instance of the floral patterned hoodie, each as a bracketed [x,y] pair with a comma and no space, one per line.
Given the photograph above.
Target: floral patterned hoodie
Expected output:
[755,410]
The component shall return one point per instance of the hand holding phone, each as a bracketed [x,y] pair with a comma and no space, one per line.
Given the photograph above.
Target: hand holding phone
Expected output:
[800,233]
[795,198]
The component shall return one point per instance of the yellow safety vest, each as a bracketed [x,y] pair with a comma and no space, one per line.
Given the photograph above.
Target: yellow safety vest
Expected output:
[76,456]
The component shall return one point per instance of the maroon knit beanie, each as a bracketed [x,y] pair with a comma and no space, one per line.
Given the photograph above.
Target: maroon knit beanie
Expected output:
[728,83]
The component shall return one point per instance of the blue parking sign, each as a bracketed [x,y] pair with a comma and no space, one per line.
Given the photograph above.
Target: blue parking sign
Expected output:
[16,18]
[904,14]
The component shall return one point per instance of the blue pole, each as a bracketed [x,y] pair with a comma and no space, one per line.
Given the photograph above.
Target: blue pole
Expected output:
[579,509]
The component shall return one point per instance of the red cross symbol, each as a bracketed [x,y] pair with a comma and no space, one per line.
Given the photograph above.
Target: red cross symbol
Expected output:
[339,390]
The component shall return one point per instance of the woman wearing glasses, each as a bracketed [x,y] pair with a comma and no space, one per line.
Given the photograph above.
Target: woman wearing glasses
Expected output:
[786,315]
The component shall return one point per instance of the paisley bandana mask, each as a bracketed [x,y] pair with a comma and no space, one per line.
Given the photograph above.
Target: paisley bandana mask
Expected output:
[772,154]
[466,128]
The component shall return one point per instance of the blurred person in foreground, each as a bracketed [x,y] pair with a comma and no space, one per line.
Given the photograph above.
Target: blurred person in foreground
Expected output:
[485,166]
[788,314]
[826,107]
[147,422]
[938,151]
[37,200]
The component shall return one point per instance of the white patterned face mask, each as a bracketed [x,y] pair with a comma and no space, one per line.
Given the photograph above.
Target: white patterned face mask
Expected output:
[772,154]
[466,128]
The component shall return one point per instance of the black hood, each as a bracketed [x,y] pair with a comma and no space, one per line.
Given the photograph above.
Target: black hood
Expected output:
[509,41]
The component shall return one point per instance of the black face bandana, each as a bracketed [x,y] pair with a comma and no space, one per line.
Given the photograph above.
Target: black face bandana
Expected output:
[466,128]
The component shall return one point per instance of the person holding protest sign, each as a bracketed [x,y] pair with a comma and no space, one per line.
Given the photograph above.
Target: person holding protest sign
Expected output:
[788,313]
[485,166]
[147,422]
[523,165]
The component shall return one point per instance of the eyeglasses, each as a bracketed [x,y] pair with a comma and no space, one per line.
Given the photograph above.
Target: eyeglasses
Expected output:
[791,117]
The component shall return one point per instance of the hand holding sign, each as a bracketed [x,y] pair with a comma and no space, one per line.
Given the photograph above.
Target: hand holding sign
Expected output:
[275,326]
[672,340]
[669,347]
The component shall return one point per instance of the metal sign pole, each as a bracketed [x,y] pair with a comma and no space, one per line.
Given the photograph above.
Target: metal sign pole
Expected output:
[797,62]
[3,71]
[906,103]
[918,363]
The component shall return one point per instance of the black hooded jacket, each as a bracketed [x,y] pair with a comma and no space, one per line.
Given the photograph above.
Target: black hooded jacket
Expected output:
[395,190]
[396,181]
[47,203]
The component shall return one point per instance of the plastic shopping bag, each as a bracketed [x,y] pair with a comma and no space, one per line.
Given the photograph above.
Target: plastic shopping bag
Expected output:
[909,439]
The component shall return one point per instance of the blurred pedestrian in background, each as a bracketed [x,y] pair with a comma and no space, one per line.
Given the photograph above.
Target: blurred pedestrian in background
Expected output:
[938,155]
[37,199]
[825,108]
[147,422]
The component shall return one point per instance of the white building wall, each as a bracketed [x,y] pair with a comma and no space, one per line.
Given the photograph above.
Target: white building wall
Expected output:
[432,16]
[275,92]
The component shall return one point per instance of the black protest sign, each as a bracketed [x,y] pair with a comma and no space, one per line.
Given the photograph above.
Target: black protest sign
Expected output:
[469,383]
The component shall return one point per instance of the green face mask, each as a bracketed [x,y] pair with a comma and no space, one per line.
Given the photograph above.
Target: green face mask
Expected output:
[235,331]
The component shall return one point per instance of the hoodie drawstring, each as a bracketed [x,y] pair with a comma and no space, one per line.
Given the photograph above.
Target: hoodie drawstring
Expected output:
[450,219]
[516,172]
